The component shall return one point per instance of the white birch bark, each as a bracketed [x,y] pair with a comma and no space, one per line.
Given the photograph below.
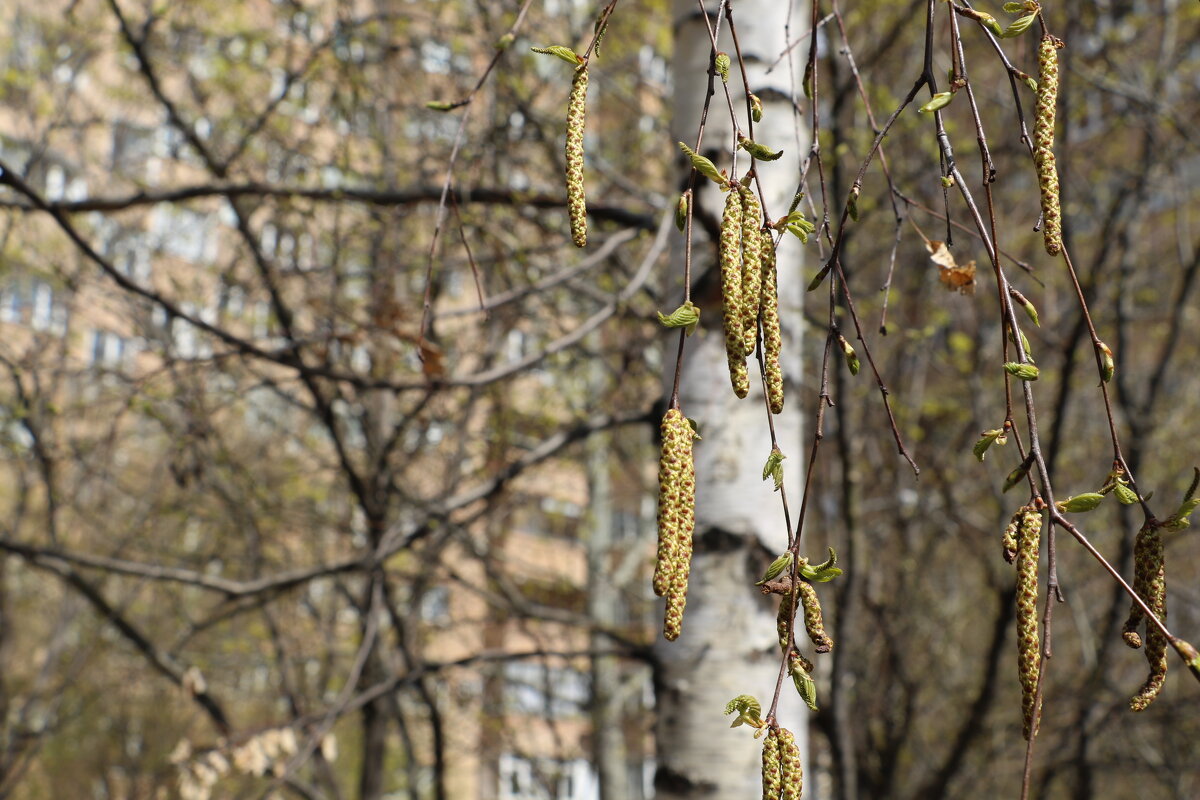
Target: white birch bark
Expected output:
[729,646]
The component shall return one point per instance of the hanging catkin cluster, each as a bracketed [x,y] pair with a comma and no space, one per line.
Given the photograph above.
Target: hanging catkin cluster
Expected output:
[576,115]
[813,622]
[1043,141]
[748,289]
[676,518]
[772,333]
[1029,532]
[1150,583]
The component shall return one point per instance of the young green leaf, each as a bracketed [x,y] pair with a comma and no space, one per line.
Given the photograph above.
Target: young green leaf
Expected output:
[1081,503]
[722,65]
[774,467]
[805,685]
[1018,26]
[565,53]
[1018,474]
[989,438]
[705,167]
[938,101]
[1026,372]
[777,567]
[1124,494]
[748,711]
[820,276]
[761,152]
[687,316]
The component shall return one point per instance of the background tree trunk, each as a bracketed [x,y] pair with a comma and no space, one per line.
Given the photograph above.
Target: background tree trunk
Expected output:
[729,645]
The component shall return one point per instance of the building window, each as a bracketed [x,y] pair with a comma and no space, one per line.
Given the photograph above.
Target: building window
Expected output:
[545,691]
[107,349]
[435,605]
[524,778]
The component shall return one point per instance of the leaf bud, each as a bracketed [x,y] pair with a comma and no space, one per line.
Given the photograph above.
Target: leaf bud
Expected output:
[705,167]
[761,152]
[938,101]
[565,53]
[756,108]
[681,212]
[687,316]
[1026,372]
[1108,366]
[722,65]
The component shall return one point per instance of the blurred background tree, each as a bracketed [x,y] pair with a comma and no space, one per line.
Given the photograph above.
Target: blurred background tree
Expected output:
[299,499]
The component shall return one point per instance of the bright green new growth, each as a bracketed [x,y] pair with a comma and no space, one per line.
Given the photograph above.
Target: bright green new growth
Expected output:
[773,469]
[687,316]
[748,709]
[777,567]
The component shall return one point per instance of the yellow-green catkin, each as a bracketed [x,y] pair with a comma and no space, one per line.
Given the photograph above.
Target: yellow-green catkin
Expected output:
[730,257]
[772,333]
[1009,541]
[576,115]
[791,770]
[1150,583]
[813,623]
[772,770]
[751,269]
[783,620]
[1028,640]
[676,518]
[1043,141]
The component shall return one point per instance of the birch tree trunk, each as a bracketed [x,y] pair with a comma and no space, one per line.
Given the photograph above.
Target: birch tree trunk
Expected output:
[729,646]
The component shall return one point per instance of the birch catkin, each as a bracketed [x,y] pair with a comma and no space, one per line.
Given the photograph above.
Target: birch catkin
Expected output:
[1150,583]
[772,333]
[1043,140]
[791,769]
[813,622]
[730,257]
[772,777]
[783,620]
[1028,640]
[676,518]
[1009,541]
[576,115]
[751,270]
